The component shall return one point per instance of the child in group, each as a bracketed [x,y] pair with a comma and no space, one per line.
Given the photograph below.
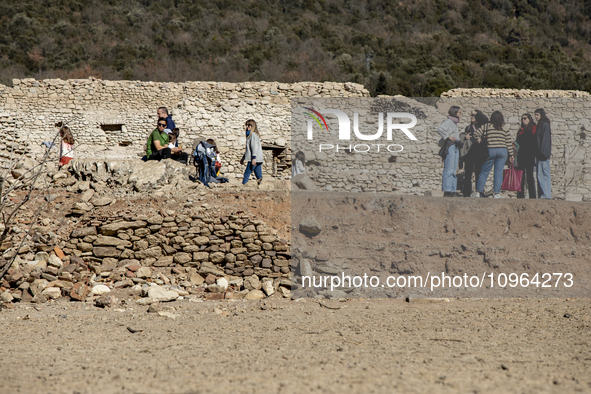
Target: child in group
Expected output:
[176,151]
[253,155]
[218,164]
[298,166]
[173,139]
[206,158]
[66,146]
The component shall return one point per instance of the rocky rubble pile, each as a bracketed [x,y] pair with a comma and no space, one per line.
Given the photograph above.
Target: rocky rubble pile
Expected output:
[136,174]
[96,181]
[159,258]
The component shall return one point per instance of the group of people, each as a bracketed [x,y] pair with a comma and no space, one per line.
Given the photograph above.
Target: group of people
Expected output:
[487,143]
[163,144]
[163,141]
[484,144]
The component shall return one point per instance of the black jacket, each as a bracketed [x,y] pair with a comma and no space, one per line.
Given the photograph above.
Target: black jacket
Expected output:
[528,146]
[475,151]
[544,141]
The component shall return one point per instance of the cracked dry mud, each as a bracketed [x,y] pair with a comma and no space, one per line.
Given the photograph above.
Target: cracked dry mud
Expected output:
[286,346]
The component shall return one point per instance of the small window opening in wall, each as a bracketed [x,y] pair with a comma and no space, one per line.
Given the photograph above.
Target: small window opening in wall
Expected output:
[280,159]
[112,127]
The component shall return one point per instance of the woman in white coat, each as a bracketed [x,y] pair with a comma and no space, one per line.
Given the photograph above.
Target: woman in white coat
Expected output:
[298,165]
[448,130]
[253,155]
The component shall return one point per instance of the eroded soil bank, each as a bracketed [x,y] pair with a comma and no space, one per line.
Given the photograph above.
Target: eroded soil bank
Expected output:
[392,235]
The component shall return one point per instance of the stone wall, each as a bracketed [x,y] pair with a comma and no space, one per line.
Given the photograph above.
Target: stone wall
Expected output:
[414,170]
[570,117]
[417,169]
[188,254]
[112,119]
[523,93]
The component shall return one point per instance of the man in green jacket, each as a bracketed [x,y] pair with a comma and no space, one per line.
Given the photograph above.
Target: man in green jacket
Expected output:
[157,146]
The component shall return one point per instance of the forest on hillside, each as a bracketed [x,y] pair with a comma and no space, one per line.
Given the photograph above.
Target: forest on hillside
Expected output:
[409,47]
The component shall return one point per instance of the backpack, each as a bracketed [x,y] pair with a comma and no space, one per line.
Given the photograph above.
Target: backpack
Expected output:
[205,159]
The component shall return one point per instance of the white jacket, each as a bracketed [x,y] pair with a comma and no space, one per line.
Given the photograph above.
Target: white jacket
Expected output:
[297,168]
[448,129]
[253,148]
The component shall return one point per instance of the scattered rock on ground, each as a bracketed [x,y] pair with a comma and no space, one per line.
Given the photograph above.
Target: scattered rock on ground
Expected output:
[310,226]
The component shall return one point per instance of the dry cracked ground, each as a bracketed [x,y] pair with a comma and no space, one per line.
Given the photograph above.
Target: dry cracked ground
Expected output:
[387,345]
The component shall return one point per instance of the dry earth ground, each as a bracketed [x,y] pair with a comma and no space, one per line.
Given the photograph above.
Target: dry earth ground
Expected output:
[492,346]
[274,345]
[392,235]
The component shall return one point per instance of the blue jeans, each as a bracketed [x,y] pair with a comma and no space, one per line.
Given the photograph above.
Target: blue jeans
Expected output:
[544,183]
[498,157]
[258,171]
[449,180]
[203,169]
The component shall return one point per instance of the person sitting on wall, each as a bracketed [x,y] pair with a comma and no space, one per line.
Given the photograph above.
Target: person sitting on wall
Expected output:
[176,151]
[162,112]
[157,145]
[298,166]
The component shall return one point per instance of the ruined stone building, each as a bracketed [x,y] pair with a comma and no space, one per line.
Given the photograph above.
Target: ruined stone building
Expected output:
[111,120]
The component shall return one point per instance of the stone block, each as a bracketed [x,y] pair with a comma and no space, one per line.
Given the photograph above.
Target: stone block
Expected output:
[113,228]
[105,251]
[83,232]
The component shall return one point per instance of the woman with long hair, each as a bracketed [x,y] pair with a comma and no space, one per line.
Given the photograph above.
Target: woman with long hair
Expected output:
[448,130]
[66,146]
[253,154]
[527,144]
[544,136]
[476,153]
[500,146]
[298,166]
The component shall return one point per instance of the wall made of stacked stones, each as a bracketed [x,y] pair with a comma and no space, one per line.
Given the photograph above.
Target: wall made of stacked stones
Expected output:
[570,120]
[413,170]
[215,110]
[121,252]
[30,109]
